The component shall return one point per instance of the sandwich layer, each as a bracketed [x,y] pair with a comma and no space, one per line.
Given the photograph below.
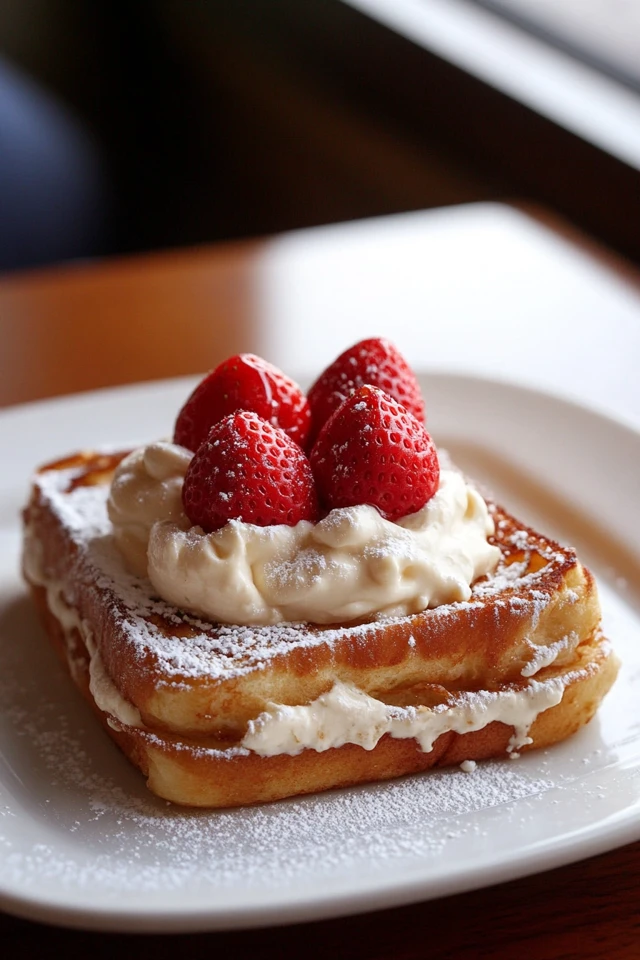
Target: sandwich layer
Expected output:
[199,706]
[209,772]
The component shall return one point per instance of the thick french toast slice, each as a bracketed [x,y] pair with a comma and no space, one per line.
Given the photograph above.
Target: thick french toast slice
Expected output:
[180,693]
[185,676]
[210,772]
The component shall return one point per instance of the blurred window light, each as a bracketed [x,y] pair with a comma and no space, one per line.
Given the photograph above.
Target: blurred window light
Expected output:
[602,33]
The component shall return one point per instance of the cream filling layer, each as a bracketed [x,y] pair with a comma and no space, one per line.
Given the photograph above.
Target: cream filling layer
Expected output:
[103,690]
[346,714]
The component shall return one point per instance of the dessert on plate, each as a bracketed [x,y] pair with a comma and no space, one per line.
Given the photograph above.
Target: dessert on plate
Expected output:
[301,592]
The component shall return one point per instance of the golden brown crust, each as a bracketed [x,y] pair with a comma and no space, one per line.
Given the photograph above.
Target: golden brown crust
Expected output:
[197,780]
[540,602]
[197,773]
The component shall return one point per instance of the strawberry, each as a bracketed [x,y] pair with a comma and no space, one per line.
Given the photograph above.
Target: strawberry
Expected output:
[248,470]
[243,382]
[372,450]
[374,361]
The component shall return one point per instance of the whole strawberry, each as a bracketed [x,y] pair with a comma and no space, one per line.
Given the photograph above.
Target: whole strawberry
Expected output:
[248,470]
[243,382]
[375,361]
[372,450]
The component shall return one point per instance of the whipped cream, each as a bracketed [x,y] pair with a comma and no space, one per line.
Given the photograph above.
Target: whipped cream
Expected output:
[147,487]
[351,565]
[346,714]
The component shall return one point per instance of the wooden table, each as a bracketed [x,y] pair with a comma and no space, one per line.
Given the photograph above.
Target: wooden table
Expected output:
[298,300]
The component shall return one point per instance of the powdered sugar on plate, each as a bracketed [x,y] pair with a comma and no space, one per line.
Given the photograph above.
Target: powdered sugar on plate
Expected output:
[91,824]
[125,840]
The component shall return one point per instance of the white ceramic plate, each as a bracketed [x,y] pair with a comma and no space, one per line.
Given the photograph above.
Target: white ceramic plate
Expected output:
[81,840]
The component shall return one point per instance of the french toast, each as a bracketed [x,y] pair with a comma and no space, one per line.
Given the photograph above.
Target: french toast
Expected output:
[521,664]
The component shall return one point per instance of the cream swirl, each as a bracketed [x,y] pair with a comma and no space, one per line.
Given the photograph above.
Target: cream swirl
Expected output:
[146,487]
[351,565]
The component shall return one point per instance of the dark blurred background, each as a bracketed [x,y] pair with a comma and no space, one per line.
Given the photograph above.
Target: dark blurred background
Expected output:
[129,125]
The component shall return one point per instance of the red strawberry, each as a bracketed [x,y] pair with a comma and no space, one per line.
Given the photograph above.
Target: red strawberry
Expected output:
[374,451]
[243,382]
[374,361]
[248,470]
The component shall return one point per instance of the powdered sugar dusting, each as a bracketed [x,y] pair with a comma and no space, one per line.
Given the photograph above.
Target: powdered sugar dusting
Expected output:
[139,843]
[231,651]
[543,656]
[235,651]
[93,825]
